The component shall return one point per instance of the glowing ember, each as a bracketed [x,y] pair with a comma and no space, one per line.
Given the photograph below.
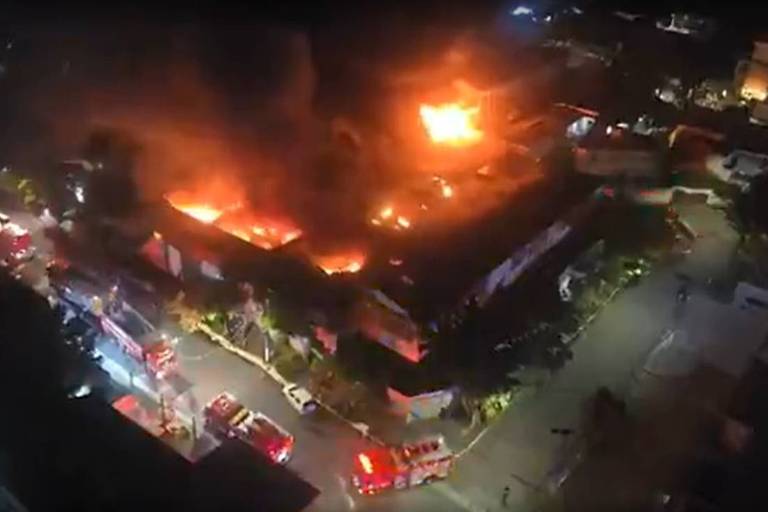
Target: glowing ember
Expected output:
[447,191]
[265,233]
[451,124]
[403,222]
[341,263]
[386,212]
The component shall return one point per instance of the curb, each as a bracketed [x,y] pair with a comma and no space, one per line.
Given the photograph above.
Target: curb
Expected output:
[591,318]
[270,370]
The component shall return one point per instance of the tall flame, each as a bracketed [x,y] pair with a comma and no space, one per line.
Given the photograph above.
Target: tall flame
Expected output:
[451,124]
[237,220]
[203,211]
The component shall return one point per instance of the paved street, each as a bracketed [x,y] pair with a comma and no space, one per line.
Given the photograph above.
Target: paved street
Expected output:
[519,451]
[325,446]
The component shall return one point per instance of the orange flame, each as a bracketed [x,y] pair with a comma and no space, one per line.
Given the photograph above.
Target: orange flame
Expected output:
[236,220]
[205,213]
[403,222]
[265,233]
[341,263]
[205,209]
[451,124]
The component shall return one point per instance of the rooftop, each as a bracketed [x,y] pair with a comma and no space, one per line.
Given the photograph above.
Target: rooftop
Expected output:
[613,138]
[431,270]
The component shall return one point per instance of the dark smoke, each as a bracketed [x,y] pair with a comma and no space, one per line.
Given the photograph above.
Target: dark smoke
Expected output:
[244,108]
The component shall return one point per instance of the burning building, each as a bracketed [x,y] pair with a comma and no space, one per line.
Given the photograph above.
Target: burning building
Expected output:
[461,224]
[382,231]
[752,80]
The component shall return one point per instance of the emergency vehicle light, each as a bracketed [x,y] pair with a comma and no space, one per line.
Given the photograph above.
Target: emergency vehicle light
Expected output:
[366,463]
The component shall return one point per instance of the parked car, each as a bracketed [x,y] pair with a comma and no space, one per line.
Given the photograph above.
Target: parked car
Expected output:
[300,399]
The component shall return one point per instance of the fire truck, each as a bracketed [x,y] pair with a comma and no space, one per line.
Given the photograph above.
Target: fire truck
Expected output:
[226,417]
[139,339]
[15,242]
[402,466]
[97,303]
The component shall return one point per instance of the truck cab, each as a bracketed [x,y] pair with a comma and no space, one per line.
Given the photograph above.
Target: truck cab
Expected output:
[225,416]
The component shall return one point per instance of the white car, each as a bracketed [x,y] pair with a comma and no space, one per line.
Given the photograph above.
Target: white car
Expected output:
[300,399]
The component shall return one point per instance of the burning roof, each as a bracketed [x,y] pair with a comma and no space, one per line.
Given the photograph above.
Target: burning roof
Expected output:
[236,219]
[452,123]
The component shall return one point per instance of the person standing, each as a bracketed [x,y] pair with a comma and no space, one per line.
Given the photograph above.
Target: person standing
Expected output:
[505,496]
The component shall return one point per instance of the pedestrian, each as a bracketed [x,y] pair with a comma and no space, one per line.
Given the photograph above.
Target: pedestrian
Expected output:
[505,496]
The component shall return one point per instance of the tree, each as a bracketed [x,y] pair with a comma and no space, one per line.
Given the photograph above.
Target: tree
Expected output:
[111,187]
[189,318]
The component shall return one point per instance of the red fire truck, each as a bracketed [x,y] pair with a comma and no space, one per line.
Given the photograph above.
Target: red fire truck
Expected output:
[402,466]
[225,416]
[92,299]
[139,339]
[15,242]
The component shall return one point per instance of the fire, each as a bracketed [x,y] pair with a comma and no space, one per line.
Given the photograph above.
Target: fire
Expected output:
[446,190]
[341,263]
[754,90]
[204,210]
[205,213]
[387,216]
[261,232]
[267,233]
[451,124]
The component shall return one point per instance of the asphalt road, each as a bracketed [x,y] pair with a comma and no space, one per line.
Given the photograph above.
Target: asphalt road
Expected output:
[519,450]
[325,446]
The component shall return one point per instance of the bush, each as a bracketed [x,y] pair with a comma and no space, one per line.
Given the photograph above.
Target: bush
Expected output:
[494,405]
[289,363]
